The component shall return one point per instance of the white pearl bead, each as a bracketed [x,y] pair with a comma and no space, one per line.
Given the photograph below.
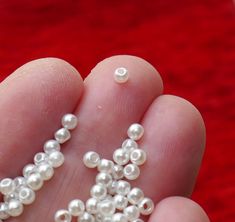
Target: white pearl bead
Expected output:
[76,207]
[123,187]
[69,121]
[121,75]
[132,212]
[86,217]
[3,211]
[46,171]
[15,208]
[129,145]
[35,181]
[7,186]
[106,207]
[112,188]
[26,195]
[91,205]
[146,206]
[29,169]
[135,131]
[51,146]
[120,201]
[131,171]
[98,191]
[105,166]
[98,217]
[62,135]
[19,182]
[119,217]
[135,195]
[104,179]
[62,216]
[138,220]
[138,156]
[91,159]
[40,158]
[107,219]
[117,172]
[120,157]
[56,159]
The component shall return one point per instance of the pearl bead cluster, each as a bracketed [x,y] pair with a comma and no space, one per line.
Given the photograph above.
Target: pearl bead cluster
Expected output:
[112,199]
[20,191]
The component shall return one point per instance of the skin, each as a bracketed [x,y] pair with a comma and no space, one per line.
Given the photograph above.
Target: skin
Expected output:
[38,94]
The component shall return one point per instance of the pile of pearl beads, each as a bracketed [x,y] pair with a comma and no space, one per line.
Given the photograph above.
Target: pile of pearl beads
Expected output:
[112,199]
[21,190]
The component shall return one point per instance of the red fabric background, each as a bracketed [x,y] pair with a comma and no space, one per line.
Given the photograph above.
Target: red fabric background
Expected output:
[191,42]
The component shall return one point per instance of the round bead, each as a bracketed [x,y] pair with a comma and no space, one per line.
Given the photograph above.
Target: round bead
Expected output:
[91,205]
[86,217]
[26,195]
[135,131]
[35,181]
[135,196]
[120,201]
[98,191]
[119,217]
[51,146]
[132,212]
[91,159]
[7,186]
[104,179]
[3,211]
[107,219]
[117,172]
[120,156]
[76,207]
[129,145]
[106,207]
[69,121]
[146,206]
[112,188]
[46,171]
[29,169]
[19,182]
[62,135]
[121,75]
[138,156]
[105,166]
[56,159]
[131,171]
[123,187]
[98,217]
[62,216]
[15,208]
[40,158]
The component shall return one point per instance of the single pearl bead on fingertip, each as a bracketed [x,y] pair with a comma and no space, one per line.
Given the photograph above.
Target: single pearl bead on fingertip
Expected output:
[51,146]
[76,207]
[135,131]
[91,159]
[69,121]
[121,75]
[15,208]
[131,171]
[62,135]
[146,206]
[62,216]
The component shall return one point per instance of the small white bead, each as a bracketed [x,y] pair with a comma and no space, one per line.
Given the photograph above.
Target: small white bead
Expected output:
[98,191]
[69,121]
[15,208]
[132,212]
[35,181]
[76,207]
[26,195]
[106,207]
[56,159]
[91,205]
[3,211]
[120,201]
[51,146]
[135,195]
[112,188]
[120,156]
[7,186]
[86,217]
[104,179]
[121,75]
[40,158]
[119,217]
[107,219]
[19,182]
[123,187]
[146,206]
[29,169]
[62,216]
[105,166]
[131,171]
[129,145]
[117,172]
[46,171]
[62,135]
[138,156]
[98,217]
[91,159]
[135,131]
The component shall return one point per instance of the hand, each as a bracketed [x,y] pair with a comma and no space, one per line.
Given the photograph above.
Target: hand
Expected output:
[38,94]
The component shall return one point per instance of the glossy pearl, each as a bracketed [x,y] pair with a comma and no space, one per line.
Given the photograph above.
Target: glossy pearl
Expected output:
[131,171]
[76,207]
[135,196]
[46,171]
[146,206]
[62,135]
[129,145]
[69,121]
[51,146]
[105,166]
[26,195]
[138,156]
[56,159]
[7,186]
[3,211]
[120,157]
[121,75]
[91,205]
[135,131]
[62,216]
[40,158]
[117,172]
[119,217]
[98,191]
[91,159]
[120,201]
[132,212]
[15,208]
[29,169]
[123,187]
[104,179]
[112,188]
[35,181]
[86,217]
[106,207]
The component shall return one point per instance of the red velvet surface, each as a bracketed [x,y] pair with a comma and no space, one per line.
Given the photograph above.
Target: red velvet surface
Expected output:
[191,42]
